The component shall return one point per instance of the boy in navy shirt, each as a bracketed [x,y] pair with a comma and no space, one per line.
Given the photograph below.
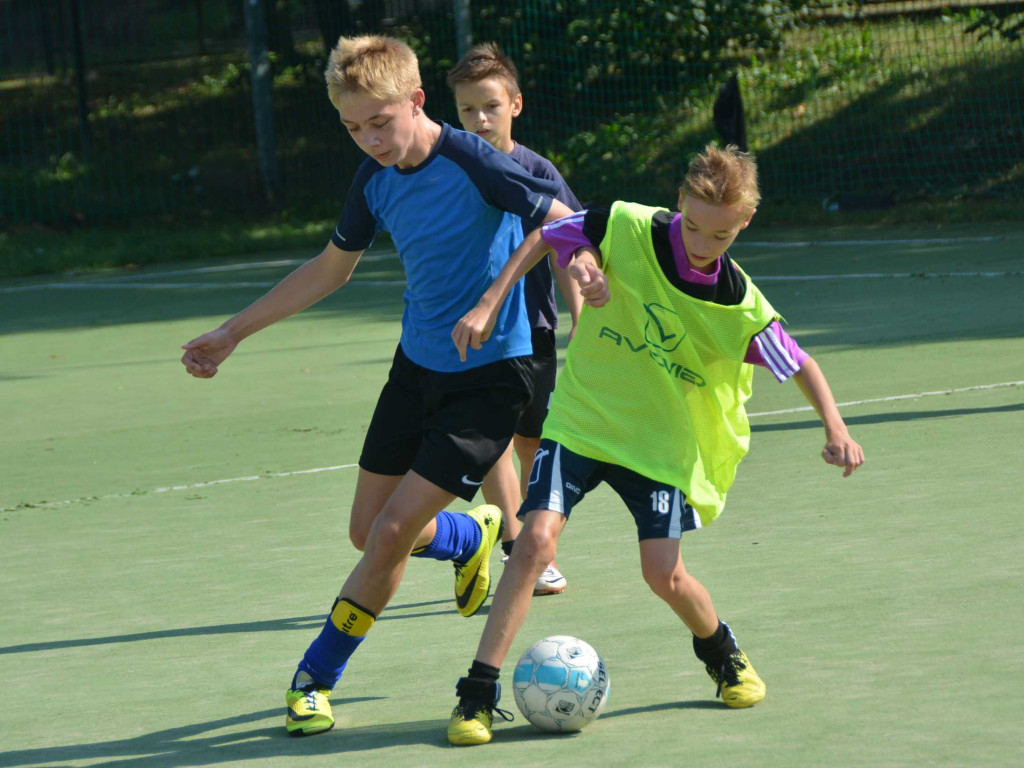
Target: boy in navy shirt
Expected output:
[485,84]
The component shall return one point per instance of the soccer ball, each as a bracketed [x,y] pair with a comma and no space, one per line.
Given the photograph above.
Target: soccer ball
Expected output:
[561,684]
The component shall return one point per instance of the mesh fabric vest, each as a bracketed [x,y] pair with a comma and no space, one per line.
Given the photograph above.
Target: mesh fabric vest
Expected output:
[655,380]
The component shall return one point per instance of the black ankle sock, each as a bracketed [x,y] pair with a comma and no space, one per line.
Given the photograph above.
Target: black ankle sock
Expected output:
[716,647]
[506,546]
[481,671]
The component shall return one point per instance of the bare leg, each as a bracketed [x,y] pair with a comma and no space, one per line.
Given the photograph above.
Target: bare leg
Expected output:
[373,492]
[501,488]
[526,449]
[396,530]
[535,548]
[665,574]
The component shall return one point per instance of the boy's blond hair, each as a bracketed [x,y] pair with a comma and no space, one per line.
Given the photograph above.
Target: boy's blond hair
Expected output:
[483,61]
[723,176]
[382,67]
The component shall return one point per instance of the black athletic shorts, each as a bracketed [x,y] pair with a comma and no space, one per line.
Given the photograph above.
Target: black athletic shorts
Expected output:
[544,368]
[448,427]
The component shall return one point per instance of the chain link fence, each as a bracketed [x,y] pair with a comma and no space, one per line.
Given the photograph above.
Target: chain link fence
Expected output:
[113,109]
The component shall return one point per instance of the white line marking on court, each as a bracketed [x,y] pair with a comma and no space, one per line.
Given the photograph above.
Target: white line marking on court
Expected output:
[169,488]
[316,470]
[880,276]
[132,281]
[895,397]
[86,286]
[908,241]
[167,286]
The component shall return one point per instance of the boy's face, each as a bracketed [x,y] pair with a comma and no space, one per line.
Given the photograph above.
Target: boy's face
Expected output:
[486,109]
[709,229]
[384,130]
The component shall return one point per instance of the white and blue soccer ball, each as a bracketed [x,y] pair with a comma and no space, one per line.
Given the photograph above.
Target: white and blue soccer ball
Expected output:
[561,684]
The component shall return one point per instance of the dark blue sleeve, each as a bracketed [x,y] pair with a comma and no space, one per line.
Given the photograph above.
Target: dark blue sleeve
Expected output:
[565,194]
[542,168]
[501,181]
[356,225]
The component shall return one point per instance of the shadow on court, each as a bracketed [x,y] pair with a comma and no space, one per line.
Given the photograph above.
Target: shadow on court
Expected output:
[273,625]
[883,418]
[187,744]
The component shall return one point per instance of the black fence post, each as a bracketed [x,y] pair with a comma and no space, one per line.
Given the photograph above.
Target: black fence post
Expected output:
[463,26]
[200,27]
[263,98]
[84,131]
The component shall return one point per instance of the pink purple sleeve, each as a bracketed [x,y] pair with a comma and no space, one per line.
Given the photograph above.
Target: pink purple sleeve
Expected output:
[777,351]
[566,236]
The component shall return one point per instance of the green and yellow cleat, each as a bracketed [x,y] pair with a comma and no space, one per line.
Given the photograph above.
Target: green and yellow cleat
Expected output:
[473,715]
[470,724]
[473,578]
[738,683]
[309,710]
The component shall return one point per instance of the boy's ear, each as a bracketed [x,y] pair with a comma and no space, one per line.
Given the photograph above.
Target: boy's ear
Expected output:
[419,98]
[517,105]
[682,195]
[745,223]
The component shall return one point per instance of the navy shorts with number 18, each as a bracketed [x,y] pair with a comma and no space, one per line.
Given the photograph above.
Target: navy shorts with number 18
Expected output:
[560,479]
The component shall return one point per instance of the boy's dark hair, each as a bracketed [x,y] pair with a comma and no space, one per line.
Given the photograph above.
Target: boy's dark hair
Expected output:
[483,61]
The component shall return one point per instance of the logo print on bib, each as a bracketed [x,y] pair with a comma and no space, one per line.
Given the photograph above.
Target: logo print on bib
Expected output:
[664,329]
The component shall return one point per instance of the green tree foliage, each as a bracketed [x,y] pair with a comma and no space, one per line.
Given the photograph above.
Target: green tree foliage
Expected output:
[577,48]
[1006,21]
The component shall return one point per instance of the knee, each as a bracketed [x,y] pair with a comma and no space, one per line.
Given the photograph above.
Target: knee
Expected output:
[536,544]
[357,534]
[360,522]
[666,579]
[358,540]
[384,539]
[526,450]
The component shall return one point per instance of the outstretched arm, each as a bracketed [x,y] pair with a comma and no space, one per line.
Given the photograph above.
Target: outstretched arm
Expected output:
[840,450]
[305,286]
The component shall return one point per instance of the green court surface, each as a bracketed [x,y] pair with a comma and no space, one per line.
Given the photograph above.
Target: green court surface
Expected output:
[170,546]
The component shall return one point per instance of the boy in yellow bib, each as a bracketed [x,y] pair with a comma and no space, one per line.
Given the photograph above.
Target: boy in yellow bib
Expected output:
[651,401]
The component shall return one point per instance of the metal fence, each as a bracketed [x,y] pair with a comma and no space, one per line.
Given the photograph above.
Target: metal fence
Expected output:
[111,109]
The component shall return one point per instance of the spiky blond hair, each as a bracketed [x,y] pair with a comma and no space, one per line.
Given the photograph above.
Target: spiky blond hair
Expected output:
[382,67]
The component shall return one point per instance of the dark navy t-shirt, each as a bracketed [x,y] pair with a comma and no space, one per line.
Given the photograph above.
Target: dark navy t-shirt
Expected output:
[455,219]
[541,307]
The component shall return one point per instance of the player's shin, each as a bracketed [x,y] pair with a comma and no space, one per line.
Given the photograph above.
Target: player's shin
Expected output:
[509,606]
[308,697]
[345,629]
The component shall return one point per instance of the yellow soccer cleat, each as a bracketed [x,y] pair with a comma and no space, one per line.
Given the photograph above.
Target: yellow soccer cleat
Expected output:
[470,724]
[473,715]
[738,683]
[473,578]
[309,710]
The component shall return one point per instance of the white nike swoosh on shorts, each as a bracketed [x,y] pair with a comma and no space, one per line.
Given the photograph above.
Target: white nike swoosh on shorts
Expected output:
[467,481]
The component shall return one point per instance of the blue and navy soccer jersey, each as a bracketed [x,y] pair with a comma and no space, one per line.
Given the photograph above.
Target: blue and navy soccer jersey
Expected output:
[541,307]
[455,219]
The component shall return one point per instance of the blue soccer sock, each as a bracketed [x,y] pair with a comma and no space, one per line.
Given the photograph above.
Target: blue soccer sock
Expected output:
[457,538]
[344,630]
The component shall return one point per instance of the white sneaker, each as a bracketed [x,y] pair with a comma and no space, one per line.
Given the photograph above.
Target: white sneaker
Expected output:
[551,581]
